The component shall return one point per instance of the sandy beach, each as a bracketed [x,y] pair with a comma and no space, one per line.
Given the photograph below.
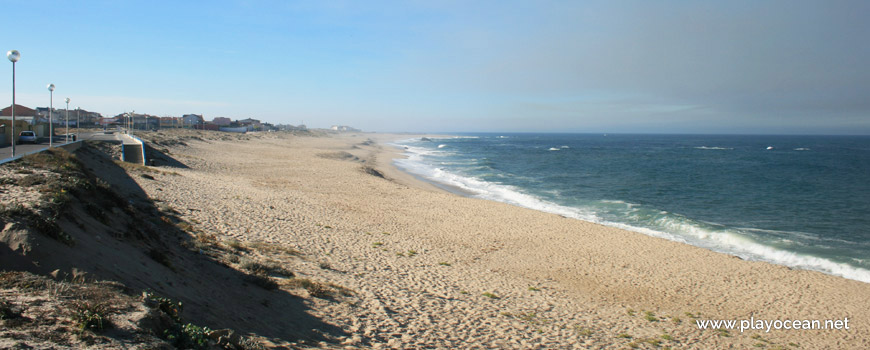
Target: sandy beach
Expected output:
[433,269]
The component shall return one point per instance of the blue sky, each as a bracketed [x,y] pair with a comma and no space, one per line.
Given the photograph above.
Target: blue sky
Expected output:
[446,66]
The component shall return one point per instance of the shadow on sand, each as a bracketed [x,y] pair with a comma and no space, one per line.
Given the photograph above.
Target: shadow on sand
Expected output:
[125,236]
[161,158]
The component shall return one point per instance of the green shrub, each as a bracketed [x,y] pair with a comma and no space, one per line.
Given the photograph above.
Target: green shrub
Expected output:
[91,316]
[168,306]
[188,336]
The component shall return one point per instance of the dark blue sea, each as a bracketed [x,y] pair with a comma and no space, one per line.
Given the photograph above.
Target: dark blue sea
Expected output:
[799,201]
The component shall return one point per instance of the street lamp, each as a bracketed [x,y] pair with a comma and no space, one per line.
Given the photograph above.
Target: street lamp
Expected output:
[67,120]
[50,109]
[13,55]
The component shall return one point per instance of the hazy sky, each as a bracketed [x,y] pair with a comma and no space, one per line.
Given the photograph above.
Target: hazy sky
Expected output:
[571,66]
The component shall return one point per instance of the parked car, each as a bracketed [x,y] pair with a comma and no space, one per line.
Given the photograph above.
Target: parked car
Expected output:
[27,137]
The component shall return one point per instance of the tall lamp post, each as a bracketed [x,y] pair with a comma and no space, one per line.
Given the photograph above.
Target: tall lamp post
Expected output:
[67,120]
[50,110]
[13,55]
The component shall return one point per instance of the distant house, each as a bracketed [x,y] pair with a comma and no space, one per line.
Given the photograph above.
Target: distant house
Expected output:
[25,119]
[192,119]
[250,124]
[249,121]
[288,127]
[19,111]
[145,121]
[170,122]
[221,121]
[87,117]
[207,126]
[344,128]
[106,122]
[43,111]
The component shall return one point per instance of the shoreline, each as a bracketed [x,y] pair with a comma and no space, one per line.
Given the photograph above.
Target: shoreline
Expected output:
[392,153]
[419,181]
[432,268]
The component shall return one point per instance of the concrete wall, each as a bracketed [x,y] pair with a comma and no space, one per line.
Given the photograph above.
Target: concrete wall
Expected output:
[132,149]
[69,147]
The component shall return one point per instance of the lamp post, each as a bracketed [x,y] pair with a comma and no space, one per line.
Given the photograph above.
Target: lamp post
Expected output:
[67,120]
[13,56]
[50,110]
[78,132]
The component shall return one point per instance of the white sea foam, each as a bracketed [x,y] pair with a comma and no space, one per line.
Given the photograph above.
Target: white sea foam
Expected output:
[452,137]
[667,225]
[403,142]
[488,190]
[733,243]
[442,146]
[714,148]
[554,149]
[680,229]
[801,149]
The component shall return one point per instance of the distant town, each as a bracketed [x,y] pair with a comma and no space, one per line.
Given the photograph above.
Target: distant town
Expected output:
[38,119]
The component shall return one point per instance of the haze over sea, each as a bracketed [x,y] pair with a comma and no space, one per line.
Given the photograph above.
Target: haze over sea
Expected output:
[799,201]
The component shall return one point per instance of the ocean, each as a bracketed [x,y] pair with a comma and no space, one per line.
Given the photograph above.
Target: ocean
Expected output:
[798,201]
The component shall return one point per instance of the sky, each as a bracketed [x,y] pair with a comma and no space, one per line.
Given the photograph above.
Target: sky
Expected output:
[722,67]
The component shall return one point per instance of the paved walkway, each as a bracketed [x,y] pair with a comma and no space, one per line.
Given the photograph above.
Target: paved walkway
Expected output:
[22,149]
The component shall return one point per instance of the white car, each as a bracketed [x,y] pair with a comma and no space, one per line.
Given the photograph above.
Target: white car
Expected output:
[27,137]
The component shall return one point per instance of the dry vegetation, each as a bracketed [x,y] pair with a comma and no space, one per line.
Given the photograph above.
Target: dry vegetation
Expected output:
[54,195]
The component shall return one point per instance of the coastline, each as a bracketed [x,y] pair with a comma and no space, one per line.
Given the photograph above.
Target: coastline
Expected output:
[423,261]
[756,252]
[416,181]
[389,153]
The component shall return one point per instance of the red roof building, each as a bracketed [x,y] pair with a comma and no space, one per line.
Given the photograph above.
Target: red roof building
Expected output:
[19,111]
